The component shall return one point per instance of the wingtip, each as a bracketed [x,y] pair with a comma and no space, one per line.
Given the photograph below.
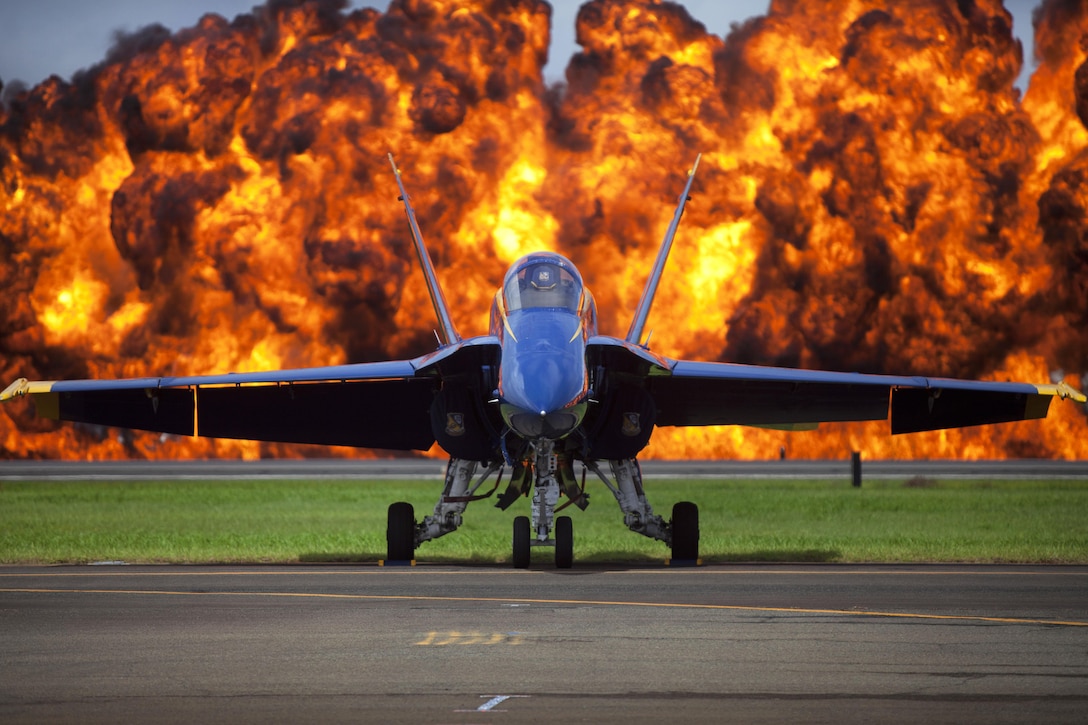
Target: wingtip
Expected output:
[22,387]
[19,387]
[1064,391]
[696,164]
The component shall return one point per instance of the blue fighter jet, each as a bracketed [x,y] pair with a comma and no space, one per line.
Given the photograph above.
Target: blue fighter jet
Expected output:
[541,391]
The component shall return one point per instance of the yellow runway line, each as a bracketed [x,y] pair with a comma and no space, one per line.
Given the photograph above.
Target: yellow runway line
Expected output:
[578,602]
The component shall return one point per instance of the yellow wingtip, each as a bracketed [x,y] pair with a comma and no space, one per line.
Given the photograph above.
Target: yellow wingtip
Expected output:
[22,387]
[17,388]
[1063,390]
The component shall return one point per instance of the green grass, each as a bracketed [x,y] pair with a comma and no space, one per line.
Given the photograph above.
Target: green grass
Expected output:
[757,520]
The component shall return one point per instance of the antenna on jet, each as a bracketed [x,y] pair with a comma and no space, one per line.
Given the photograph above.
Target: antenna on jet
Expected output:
[448,334]
[634,334]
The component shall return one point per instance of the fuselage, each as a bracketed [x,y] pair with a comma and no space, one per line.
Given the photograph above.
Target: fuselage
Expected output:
[543,316]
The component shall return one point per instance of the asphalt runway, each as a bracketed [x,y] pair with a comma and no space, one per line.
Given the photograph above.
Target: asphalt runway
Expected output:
[441,644]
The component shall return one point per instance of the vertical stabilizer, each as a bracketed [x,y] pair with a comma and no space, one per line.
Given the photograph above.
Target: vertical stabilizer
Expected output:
[634,334]
[448,333]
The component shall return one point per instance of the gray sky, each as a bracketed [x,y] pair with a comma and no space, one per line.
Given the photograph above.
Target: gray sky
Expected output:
[41,37]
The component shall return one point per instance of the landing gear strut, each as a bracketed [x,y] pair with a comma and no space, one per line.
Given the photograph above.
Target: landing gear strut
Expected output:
[403,535]
[681,534]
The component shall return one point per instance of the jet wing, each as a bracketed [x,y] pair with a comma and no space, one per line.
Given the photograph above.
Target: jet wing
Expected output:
[372,405]
[702,393]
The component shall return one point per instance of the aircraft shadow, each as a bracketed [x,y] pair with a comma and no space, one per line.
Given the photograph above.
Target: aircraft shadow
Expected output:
[781,556]
[597,560]
[337,557]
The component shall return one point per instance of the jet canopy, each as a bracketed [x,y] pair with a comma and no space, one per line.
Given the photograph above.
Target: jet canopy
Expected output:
[543,279]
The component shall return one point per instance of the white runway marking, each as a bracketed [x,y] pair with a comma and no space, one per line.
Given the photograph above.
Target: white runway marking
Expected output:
[498,699]
[490,704]
[493,700]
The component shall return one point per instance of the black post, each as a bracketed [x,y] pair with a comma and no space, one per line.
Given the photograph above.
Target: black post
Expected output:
[855,467]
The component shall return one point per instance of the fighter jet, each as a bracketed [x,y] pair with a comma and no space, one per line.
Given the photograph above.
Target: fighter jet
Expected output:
[539,393]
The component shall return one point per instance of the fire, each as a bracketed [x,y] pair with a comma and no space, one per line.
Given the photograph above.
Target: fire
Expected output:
[874,195]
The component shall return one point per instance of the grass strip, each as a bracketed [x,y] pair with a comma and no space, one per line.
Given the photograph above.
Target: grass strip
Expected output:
[920,520]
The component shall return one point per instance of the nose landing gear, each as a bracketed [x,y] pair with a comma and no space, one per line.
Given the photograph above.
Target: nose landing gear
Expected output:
[554,474]
[563,542]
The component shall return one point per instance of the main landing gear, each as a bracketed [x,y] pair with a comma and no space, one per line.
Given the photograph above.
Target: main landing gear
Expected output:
[403,535]
[681,534]
[549,475]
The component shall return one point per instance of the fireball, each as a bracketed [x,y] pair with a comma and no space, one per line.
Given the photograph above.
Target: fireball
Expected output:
[874,195]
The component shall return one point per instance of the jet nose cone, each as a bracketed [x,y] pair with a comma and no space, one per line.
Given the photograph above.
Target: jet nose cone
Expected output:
[554,425]
[543,406]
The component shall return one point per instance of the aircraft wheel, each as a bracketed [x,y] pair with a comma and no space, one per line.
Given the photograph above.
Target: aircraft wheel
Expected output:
[685,531]
[521,542]
[564,542]
[400,532]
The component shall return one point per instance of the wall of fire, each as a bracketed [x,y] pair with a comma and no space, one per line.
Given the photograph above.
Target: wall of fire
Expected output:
[874,195]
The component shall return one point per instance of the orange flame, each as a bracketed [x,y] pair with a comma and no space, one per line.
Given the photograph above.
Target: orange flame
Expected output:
[874,196]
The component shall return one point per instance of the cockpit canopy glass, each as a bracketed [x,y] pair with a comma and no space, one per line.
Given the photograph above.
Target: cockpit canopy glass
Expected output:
[543,280]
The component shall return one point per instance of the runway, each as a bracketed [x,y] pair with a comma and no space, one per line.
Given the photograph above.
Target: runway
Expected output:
[440,644]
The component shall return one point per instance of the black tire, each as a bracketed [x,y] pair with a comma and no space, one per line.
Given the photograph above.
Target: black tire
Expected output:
[400,532]
[564,543]
[685,531]
[521,542]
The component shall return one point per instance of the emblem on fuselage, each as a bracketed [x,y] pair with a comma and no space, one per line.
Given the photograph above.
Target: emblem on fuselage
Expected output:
[631,425]
[455,424]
